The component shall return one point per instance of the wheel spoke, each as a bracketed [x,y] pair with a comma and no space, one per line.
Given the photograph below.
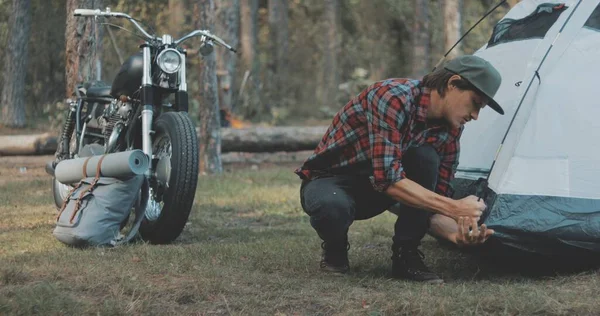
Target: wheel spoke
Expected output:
[174,178]
[162,149]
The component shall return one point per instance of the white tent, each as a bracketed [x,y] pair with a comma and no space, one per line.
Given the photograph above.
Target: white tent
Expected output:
[543,155]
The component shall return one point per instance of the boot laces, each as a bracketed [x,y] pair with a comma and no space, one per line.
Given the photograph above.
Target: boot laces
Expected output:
[330,247]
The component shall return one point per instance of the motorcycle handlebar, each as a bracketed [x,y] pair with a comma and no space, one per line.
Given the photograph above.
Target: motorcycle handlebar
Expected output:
[108,13]
[206,33]
[86,12]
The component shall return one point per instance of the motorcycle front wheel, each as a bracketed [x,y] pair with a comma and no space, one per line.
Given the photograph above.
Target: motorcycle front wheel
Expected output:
[175,148]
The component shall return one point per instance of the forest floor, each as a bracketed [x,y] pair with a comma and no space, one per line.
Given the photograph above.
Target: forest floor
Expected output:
[249,249]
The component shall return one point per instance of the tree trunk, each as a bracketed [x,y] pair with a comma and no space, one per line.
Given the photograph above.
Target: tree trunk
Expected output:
[279,41]
[177,10]
[512,3]
[332,32]
[15,65]
[421,64]
[227,27]
[210,138]
[277,158]
[452,22]
[83,39]
[250,65]
[39,144]
[271,139]
[248,34]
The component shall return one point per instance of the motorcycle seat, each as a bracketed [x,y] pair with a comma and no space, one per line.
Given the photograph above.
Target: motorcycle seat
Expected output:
[98,92]
[95,90]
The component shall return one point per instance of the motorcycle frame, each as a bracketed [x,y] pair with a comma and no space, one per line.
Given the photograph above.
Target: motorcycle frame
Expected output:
[147,105]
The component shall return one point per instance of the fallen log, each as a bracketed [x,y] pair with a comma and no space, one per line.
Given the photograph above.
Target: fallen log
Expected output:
[271,139]
[38,144]
[251,139]
[260,158]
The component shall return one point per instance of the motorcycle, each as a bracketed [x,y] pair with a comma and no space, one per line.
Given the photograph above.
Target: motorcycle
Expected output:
[133,113]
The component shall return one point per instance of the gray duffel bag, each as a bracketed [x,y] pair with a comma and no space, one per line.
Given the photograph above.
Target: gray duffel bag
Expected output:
[97,208]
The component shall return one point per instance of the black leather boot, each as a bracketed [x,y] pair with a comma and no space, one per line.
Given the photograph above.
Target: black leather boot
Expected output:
[334,258]
[407,263]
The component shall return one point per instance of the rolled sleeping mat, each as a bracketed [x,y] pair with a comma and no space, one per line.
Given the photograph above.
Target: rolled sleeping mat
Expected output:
[118,165]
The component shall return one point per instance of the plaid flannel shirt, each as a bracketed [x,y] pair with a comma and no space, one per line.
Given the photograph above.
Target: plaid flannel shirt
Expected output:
[376,127]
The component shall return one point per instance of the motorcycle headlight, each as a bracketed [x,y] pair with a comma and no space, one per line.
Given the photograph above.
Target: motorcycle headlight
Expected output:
[169,61]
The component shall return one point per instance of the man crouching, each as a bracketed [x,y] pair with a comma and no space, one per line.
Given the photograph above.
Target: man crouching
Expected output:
[398,142]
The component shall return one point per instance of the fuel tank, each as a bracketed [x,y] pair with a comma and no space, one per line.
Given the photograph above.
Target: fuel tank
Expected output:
[129,78]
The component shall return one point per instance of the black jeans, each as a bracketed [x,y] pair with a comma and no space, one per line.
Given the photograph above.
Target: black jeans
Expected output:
[334,202]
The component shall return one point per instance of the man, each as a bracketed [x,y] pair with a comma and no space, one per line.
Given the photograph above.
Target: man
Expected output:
[398,141]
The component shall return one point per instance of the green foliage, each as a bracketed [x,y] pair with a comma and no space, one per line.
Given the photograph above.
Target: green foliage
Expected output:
[481,34]
[375,36]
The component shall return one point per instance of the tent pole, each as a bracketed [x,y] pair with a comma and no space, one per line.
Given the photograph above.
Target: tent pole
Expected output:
[537,74]
[466,33]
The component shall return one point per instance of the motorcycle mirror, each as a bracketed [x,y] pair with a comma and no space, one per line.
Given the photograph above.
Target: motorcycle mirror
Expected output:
[206,48]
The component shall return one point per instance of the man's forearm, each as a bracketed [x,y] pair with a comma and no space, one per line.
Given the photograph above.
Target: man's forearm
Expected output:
[412,194]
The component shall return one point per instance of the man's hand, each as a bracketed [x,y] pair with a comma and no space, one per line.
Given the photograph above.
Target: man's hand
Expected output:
[469,234]
[471,207]
[413,194]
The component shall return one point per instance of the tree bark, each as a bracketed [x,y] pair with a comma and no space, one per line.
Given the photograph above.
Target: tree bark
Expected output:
[421,64]
[227,27]
[512,3]
[277,157]
[279,41]
[452,29]
[39,144]
[249,35]
[210,138]
[271,139]
[250,68]
[177,10]
[15,65]
[330,72]
[83,39]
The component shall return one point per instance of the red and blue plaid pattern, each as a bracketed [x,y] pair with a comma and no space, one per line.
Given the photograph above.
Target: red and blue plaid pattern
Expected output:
[379,125]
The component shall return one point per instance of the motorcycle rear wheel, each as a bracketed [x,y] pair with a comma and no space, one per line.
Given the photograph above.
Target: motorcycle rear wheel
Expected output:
[61,191]
[175,140]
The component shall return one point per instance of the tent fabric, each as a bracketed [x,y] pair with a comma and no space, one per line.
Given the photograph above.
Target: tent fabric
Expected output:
[535,25]
[547,225]
[593,21]
[545,174]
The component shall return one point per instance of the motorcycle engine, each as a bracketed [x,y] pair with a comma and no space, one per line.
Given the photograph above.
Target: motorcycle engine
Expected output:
[115,118]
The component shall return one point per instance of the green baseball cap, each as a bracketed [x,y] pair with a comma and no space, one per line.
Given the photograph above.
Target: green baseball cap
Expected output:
[480,73]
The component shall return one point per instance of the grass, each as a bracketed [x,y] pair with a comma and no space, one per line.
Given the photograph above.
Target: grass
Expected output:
[248,249]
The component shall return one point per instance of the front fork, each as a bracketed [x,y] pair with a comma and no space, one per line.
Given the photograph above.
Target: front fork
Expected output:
[148,111]
[153,208]
[181,100]
[181,97]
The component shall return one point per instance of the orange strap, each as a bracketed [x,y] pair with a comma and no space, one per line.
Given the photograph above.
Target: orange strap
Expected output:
[66,200]
[99,167]
[89,189]
[85,163]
